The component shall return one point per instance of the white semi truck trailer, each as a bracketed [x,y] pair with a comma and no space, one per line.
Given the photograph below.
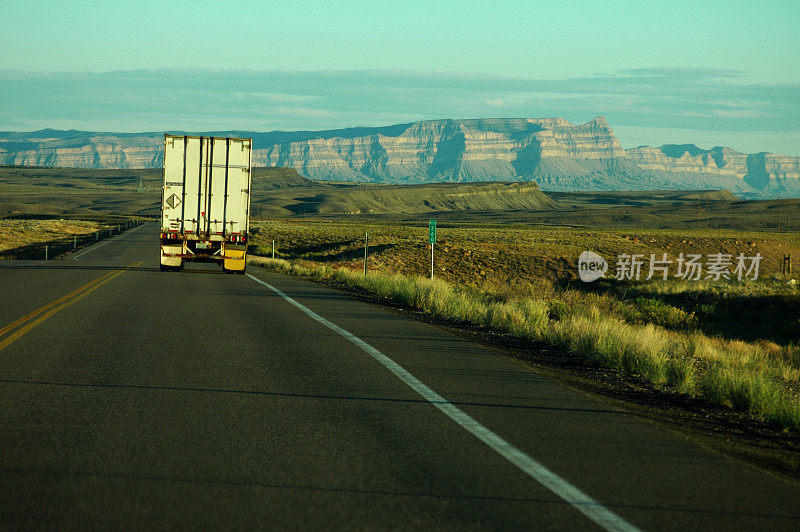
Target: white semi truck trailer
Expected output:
[205,201]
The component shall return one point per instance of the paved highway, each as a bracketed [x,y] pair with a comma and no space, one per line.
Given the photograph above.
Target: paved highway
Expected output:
[131,397]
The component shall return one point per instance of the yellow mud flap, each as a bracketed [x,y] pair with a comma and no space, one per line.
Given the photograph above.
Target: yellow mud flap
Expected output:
[235,260]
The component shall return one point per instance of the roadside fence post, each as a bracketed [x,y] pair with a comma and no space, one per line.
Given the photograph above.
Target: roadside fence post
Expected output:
[45,252]
[74,241]
[273,249]
[366,251]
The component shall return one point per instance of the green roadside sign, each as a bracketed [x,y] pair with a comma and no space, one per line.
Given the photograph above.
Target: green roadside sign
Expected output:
[432,231]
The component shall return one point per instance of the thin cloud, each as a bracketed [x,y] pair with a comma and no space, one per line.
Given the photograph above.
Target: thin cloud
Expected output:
[195,99]
[685,73]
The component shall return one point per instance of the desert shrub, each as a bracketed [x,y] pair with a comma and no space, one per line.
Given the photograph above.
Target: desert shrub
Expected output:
[650,310]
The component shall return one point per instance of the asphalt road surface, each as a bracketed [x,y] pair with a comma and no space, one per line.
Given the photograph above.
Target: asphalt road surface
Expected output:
[131,397]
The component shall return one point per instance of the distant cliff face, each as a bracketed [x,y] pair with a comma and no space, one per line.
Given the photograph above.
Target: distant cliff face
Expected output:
[445,150]
[551,151]
[86,150]
[689,158]
[766,172]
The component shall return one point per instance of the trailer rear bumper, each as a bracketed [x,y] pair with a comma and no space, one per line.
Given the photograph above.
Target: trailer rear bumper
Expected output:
[232,260]
[232,256]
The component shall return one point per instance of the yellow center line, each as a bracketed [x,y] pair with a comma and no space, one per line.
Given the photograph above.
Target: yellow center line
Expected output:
[38,311]
[78,294]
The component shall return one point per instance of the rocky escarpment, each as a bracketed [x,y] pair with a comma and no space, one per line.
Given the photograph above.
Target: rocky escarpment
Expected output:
[767,173]
[690,158]
[85,151]
[445,150]
[551,151]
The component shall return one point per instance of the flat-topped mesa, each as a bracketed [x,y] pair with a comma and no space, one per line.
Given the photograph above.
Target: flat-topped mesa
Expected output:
[553,152]
[689,158]
[757,170]
[779,166]
[451,150]
[777,173]
[593,140]
[91,152]
[460,150]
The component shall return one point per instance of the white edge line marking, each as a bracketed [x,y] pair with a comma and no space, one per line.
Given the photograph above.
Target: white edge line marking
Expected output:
[569,493]
[92,248]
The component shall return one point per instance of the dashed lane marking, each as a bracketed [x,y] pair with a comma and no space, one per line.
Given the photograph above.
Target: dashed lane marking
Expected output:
[96,246]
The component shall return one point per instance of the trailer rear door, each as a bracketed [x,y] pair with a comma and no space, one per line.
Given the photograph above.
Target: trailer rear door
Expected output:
[206,185]
[233,207]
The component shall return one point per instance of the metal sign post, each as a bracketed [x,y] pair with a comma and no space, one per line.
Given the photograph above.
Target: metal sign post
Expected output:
[432,239]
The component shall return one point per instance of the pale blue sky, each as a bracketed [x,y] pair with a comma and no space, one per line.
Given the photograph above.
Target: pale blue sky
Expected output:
[705,72]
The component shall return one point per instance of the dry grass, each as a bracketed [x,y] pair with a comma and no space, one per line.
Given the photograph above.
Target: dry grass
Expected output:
[508,260]
[471,254]
[18,233]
